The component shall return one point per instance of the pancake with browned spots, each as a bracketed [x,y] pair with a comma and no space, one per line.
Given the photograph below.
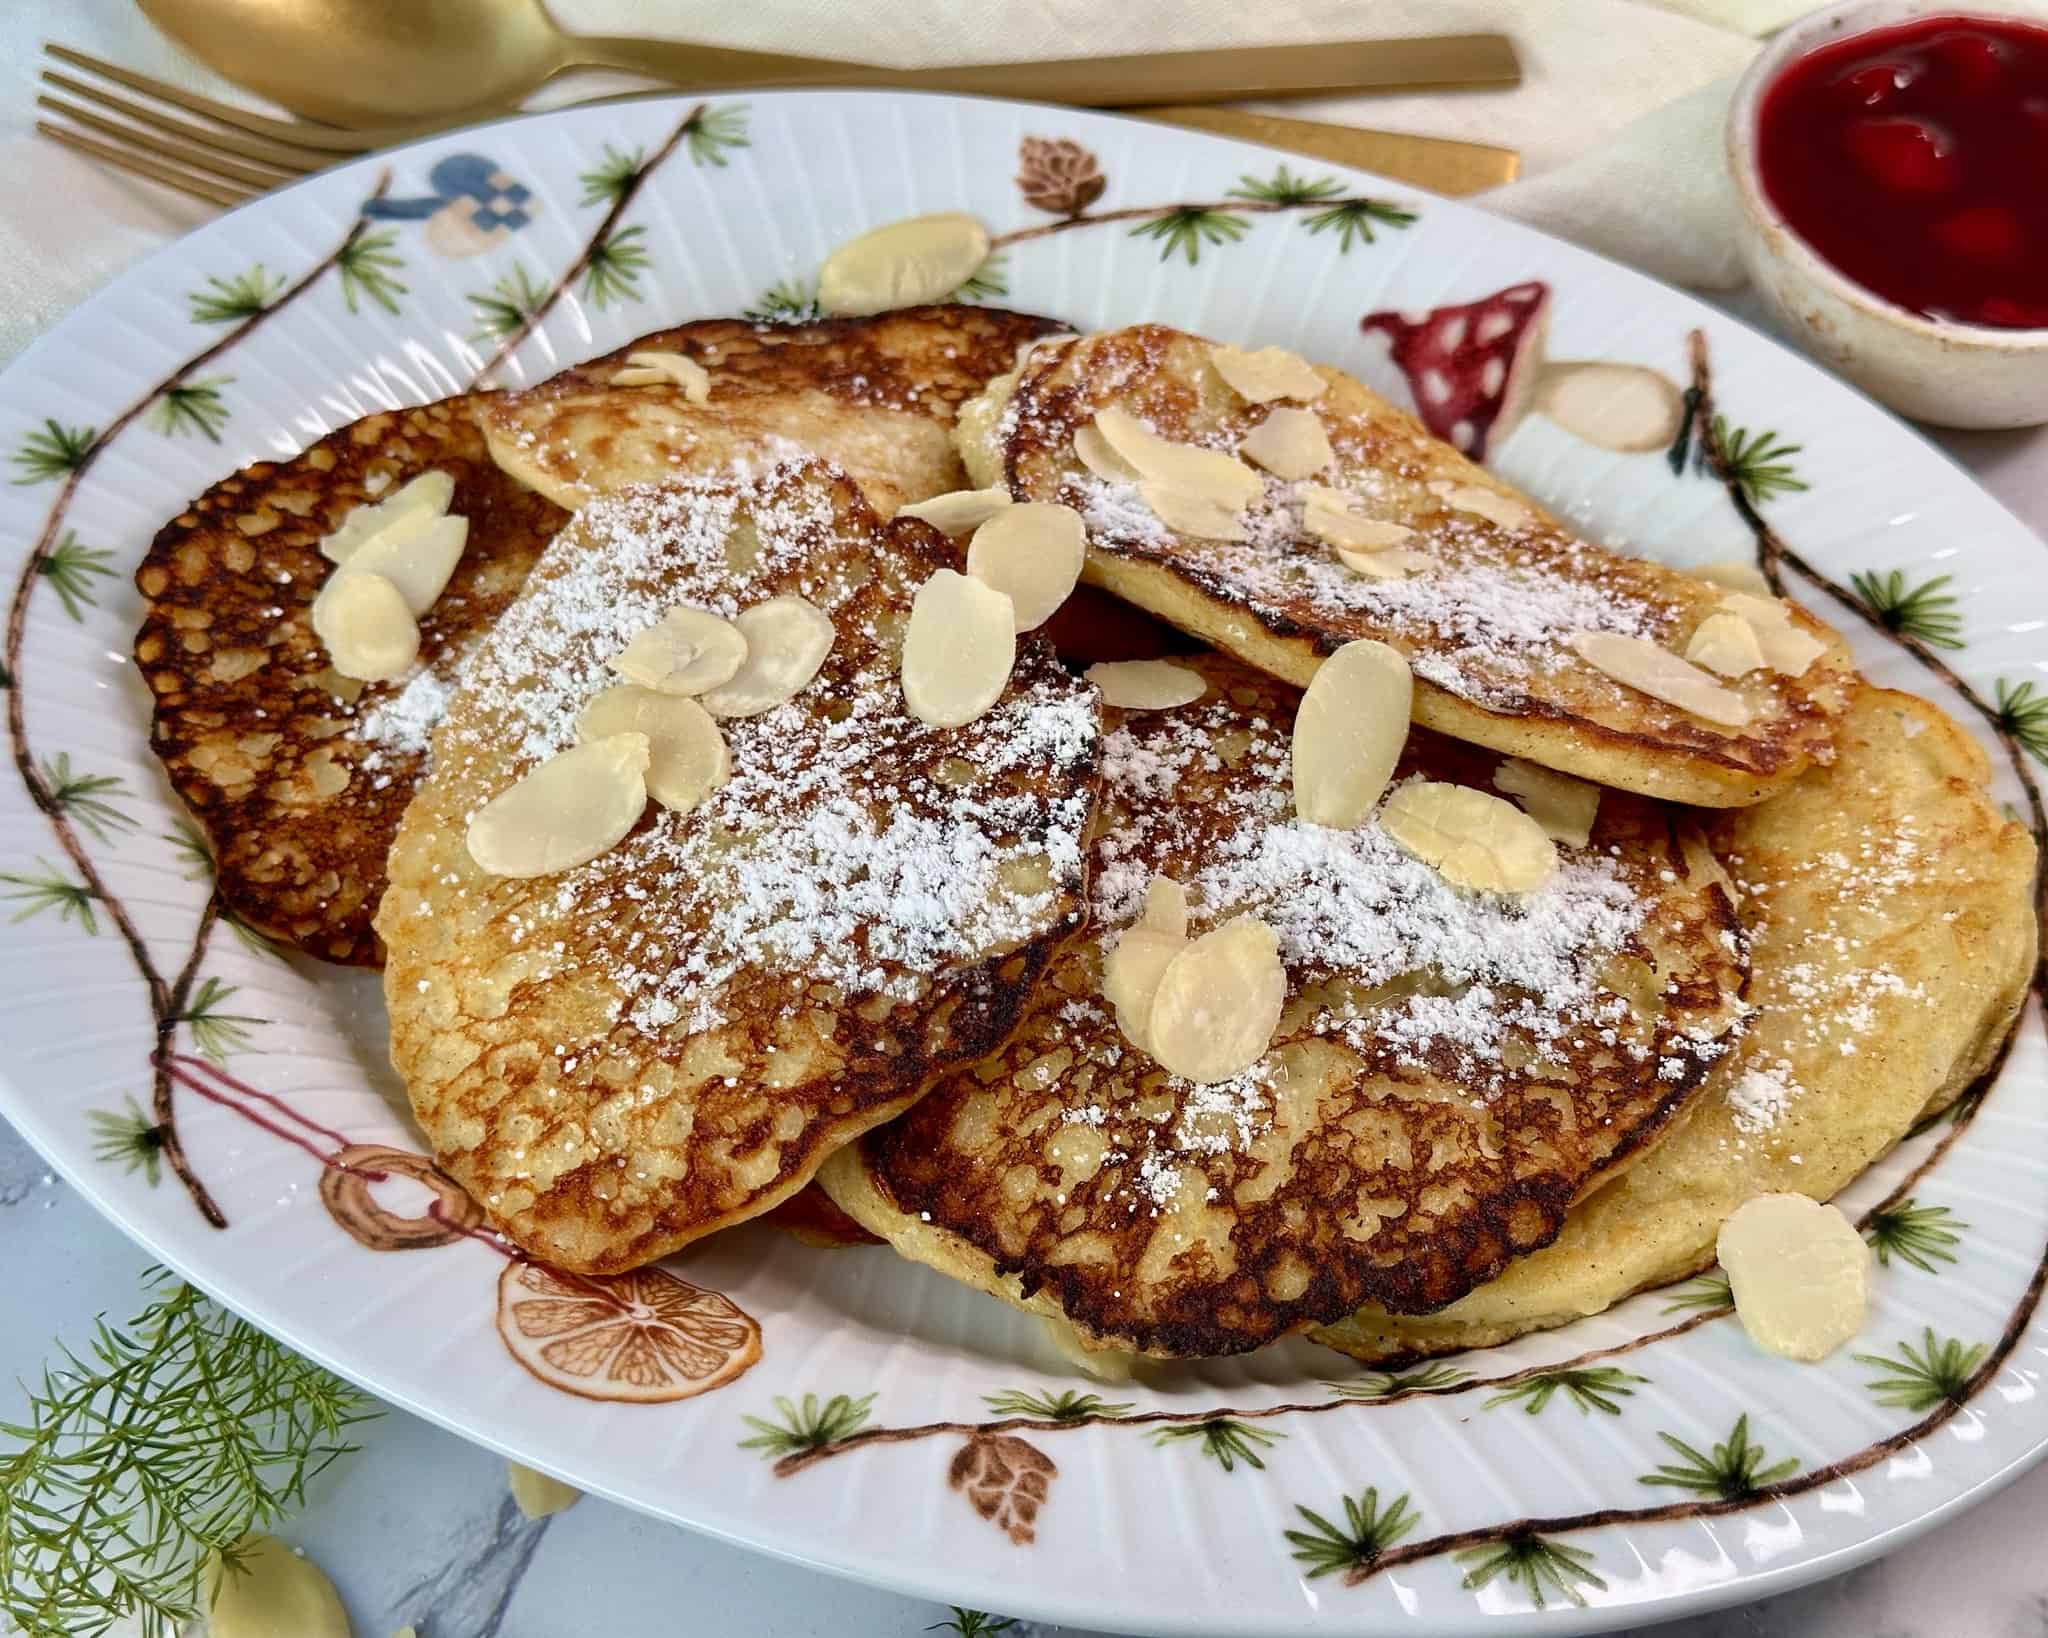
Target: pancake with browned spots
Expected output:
[1451,1072]
[296,775]
[622,1057]
[877,395]
[1486,624]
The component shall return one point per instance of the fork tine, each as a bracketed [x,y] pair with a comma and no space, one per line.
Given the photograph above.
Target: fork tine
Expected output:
[325,138]
[294,161]
[125,159]
[188,155]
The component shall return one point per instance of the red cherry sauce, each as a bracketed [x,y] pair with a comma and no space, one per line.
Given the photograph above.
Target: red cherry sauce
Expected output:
[1915,160]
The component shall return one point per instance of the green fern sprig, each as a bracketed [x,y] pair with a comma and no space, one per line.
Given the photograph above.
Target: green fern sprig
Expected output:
[1186,228]
[989,279]
[1759,463]
[1223,1440]
[1735,1468]
[794,301]
[191,848]
[129,1138]
[1384,1384]
[1709,1291]
[85,797]
[52,451]
[1595,1388]
[713,134]
[191,406]
[368,265]
[1537,1564]
[606,182]
[2023,713]
[807,1426]
[614,269]
[1354,220]
[254,942]
[214,1032]
[51,890]
[508,304]
[1356,1545]
[1926,611]
[972,1623]
[229,301]
[1065,1406]
[1284,188]
[1921,1378]
[71,569]
[159,1446]
[1920,1235]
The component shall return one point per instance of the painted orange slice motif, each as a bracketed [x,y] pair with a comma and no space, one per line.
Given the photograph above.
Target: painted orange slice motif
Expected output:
[642,1338]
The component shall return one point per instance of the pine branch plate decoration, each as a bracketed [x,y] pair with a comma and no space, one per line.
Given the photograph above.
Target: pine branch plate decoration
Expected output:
[231,1110]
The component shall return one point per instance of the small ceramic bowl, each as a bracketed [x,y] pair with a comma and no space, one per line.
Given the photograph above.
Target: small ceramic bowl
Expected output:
[1955,375]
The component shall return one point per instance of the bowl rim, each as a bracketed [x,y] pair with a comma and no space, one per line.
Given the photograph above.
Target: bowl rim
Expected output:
[1779,238]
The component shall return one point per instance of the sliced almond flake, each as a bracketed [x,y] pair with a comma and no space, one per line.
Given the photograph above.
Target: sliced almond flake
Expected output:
[957,649]
[1032,552]
[686,753]
[1725,644]
[657,369]
[1289,443]
[1130,978]
[367,628]
[1166,907]
[1759,611]
[686,651]
[1799,1273]
[1093,452]
[1565,807]
[1146,685]
[1267,373]
[1490,504]
[1349,531]
[1211,473]
[1738,574]
[1396,564]
[1637,663]
[270,1589]
[429,492]
[787,640]
[1348,733]
[959,512]
[1469,838]
[1188,513]
[903,264]
[1218,1002]
[1787,647]
[572,808]
[417,554]
[1324,495]
[539,1495]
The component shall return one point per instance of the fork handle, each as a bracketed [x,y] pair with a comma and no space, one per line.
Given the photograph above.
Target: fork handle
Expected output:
[1148,80]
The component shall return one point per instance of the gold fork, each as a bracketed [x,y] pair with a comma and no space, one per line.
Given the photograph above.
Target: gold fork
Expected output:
[228,155]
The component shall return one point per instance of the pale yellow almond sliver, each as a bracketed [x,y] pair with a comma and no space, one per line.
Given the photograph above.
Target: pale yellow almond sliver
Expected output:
[1489,504]
[1211,473]
[1166,907]
[655,368]
[1131,974]
[1639,664]
[957,649]
[902,264]
[787,638]
[538,1495]
[1760,611]
[1218,1002]
[1093,452]
[687,757]
[1397,563]
[686,651]
[1788,648]
[1469,838]
[1799,1273]
[1565,807]
[417,554]
[1187,513]
[1737,574]
[1725,644]
[959,512]
[1032,552]
[366,627]
[270,1590]
[575,806]
[1347,531]
[1267,373]
[1348,732]
[429,492]
[1146,685]
[1289,443]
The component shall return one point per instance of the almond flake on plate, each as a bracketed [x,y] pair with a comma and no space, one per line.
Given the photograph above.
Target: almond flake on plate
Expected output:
[686,754]
[1188,513]
[959,512]
[572,808]
[1267,373]
[1787,647]
[1725,644]
[1348,733]
[1396,563]
[1130,977]
[957,650]
[417,554]
[902,264]
[430,492]
[1217,1004]
[1799,1273]
[1146,685]
[1032,552]
[1637,663]
[1490,504]
[1346,530]
[655,369]
[787,639]
[1469,838]
[1210,473]
[1092,450]
[1565,807]
[686,651]
[1166,907]
[1737,574]
[366,626]
[1289,443]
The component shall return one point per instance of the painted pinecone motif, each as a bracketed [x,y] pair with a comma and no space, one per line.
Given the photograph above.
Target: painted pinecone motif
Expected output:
[1057,174]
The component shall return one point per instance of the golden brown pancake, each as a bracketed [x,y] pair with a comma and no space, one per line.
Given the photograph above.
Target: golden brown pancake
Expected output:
[1891,943]
[296,775]
[623,1057]
[1452,1070]
[877,395]
[1485,626]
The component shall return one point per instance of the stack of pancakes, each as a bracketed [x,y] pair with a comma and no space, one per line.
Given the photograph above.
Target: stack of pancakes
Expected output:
[875,956]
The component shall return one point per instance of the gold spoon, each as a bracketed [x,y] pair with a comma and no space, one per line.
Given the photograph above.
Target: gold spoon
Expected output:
[366,63]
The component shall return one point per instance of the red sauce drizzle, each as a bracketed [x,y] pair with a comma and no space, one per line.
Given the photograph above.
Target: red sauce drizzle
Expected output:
[1915,160]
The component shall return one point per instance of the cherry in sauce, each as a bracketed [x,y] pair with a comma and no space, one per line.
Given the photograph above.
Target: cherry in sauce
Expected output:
[1915,160]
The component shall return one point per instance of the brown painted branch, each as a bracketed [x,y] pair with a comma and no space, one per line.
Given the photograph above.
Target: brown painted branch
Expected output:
[1139,213]
[531,321]
[162,1111]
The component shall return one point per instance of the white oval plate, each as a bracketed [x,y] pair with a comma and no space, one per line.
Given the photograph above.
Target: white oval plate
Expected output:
[968,1477]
